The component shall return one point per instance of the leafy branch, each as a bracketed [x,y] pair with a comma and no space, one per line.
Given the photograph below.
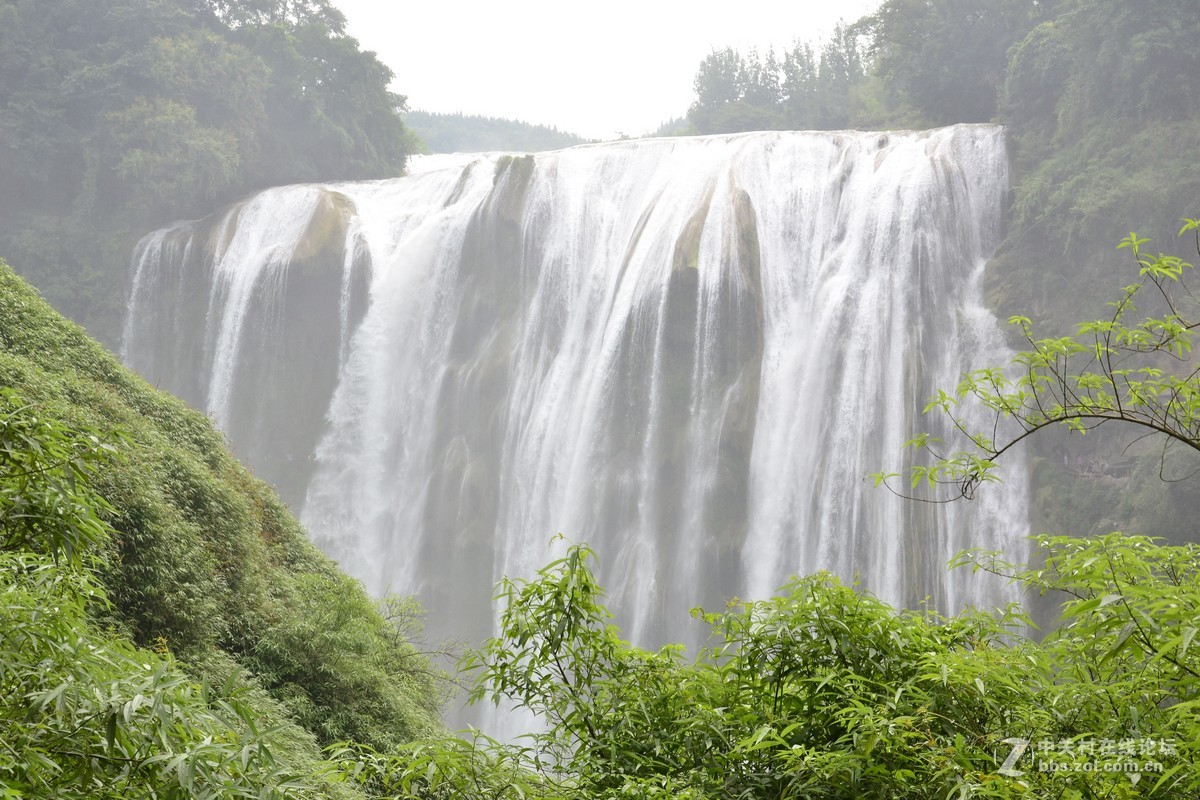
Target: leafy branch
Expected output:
[1111,370]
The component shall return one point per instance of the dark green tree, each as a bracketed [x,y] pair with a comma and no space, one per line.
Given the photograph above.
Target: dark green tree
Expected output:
[118,116]
[289,13]
[948,57]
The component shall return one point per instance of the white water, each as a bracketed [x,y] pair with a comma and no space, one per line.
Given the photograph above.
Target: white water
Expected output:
[688,353]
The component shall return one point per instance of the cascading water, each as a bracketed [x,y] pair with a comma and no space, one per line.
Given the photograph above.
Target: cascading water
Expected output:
[688,353]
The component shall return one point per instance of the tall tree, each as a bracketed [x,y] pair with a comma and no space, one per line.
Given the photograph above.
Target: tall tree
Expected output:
[842,68]
[290,13]
[801,90]
[799,87]
[737,93]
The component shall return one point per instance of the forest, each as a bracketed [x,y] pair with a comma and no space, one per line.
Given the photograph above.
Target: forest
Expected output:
[119,116]
[167,630]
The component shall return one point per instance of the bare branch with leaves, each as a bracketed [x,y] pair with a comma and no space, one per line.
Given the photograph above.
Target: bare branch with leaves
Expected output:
[1111,370]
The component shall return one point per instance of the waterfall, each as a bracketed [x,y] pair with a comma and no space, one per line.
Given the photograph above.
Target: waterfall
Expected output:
[688,353]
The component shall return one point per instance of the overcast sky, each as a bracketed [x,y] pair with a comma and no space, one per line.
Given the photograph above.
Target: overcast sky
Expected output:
[597,69]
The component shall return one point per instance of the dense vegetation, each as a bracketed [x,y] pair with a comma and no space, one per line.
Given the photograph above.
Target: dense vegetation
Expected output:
[471,133]
[1101,105]
[141,571]
[825,692]
[118,116]
[83,713]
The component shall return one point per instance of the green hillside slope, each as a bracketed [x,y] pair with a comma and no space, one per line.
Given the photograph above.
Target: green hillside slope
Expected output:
[206,564]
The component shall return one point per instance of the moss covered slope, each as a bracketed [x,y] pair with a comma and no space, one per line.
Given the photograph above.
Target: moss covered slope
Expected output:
[206,561]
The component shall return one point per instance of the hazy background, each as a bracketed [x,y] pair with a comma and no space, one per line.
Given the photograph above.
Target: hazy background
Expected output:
[621,67]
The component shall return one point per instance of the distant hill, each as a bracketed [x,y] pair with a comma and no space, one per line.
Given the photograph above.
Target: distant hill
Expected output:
[470,133]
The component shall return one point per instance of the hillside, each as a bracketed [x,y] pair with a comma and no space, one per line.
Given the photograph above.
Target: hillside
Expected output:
[206,565]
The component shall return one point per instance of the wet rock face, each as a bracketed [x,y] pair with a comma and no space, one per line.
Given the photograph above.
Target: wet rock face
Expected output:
[263,354]
[688,353]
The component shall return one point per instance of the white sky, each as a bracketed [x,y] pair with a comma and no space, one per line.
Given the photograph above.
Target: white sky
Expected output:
[597,69]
